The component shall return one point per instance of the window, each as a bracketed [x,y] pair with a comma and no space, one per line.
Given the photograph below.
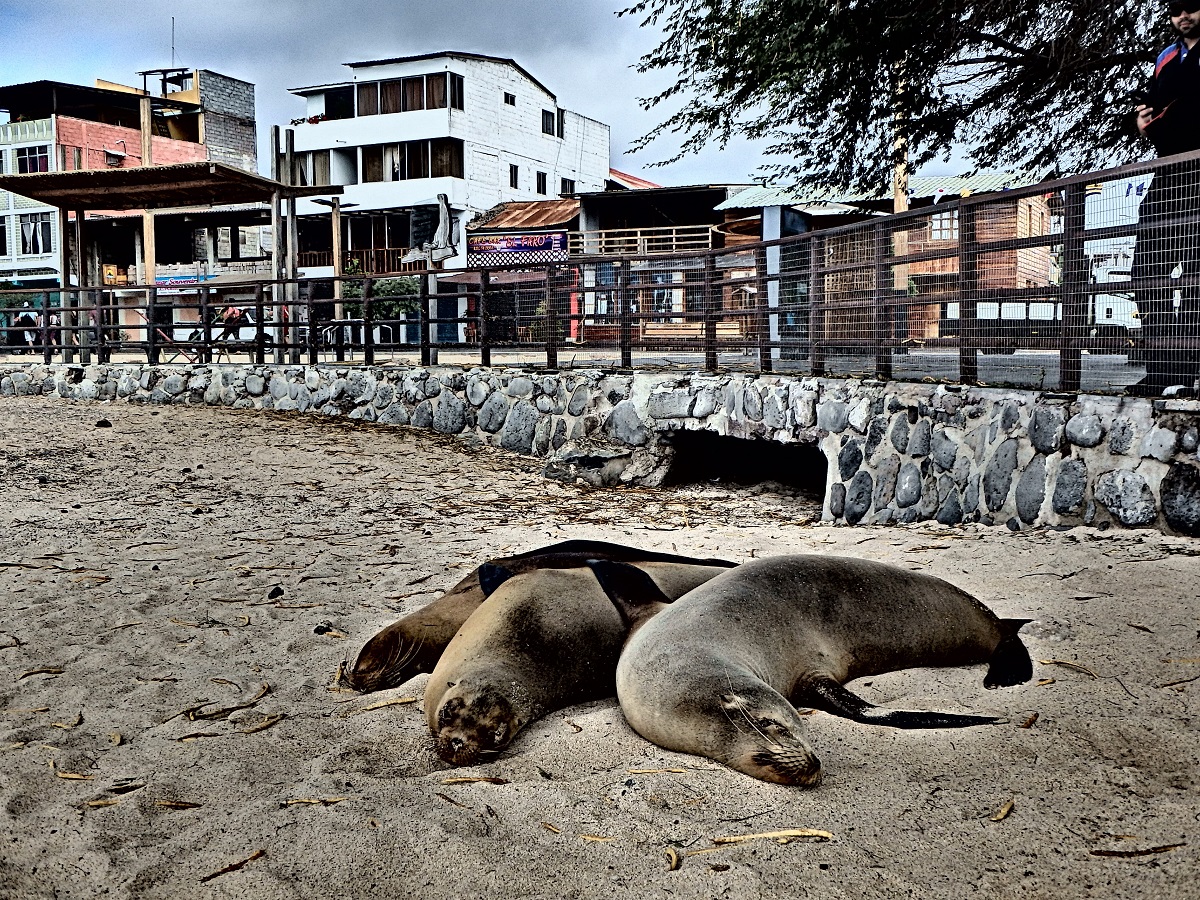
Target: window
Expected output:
[944,226]
[446,158]
[562,123]
[514,176]
[339,103]
[389,97]
[414,93]
[33,159]
[1,162]
[368,99]
[3,234]
[435,91]
[320,167]
[510,99]
[372,163]
[35,234]
[548,121]
[541,182]
[457,92]
[568,186]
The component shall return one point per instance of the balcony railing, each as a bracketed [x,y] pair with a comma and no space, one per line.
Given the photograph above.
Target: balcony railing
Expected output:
[639,241]
[385,261]
[34,130]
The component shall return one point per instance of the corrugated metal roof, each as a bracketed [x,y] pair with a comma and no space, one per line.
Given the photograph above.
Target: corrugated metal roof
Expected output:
[923,187]
[526,214]
[633,182]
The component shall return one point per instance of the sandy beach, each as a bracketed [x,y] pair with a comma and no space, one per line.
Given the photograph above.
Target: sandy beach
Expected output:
[182,583]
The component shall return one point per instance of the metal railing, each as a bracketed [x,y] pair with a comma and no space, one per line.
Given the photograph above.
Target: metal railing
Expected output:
[639,241]
[370,262]
[1087,283]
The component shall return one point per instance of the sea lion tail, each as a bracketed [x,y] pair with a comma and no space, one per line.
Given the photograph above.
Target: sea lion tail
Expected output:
[633,592]
[827,695]
[1010,663]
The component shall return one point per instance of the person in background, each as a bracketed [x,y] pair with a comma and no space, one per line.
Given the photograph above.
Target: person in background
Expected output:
[1167,249]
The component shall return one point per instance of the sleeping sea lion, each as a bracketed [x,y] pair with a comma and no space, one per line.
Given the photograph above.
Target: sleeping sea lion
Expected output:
[542,640]
[414,644]
[719,672]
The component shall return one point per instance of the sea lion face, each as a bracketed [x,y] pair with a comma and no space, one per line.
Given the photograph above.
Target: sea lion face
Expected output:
[387,660]
[764,738]
[472,725]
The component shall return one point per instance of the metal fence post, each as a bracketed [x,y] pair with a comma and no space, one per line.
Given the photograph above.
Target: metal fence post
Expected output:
[152,351]
[312,328]
[1075,277]
[45,329]
[712,304]
[816,306]
[762,308]
[625,299]
[368,322]
[881,306]
[968,293]
[206,334]
[485,347]
[260,328]
[423,317]
[551,321]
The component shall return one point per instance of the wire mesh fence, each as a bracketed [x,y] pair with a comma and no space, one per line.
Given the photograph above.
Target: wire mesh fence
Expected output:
[1089,283]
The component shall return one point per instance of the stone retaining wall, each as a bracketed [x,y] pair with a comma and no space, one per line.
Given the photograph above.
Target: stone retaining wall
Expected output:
[896,452]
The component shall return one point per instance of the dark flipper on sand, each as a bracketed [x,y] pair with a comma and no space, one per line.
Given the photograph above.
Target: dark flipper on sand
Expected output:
[829,696]
[1010,663]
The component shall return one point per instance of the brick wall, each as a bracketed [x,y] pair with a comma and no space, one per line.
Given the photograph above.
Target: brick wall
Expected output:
[229,120]
[93,138]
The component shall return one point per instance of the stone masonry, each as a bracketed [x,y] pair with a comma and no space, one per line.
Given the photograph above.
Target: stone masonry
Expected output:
[896,452]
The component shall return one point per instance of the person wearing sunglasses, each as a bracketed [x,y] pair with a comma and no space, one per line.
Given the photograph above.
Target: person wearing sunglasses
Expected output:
[1166,248]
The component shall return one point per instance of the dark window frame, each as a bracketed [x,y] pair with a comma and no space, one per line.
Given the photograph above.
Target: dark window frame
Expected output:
[514,176]
[342,105]
[39,155]
[567,185]
[561,122]
[542,183]
[510,99]
[458,92]
[548,122]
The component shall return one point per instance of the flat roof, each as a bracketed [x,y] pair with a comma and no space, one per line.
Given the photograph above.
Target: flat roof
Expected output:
[153,187]
[451,53]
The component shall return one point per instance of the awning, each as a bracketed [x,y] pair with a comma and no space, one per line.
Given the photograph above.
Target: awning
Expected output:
[154,187]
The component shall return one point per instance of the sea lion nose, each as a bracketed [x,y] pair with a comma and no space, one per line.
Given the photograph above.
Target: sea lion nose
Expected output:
[456,744]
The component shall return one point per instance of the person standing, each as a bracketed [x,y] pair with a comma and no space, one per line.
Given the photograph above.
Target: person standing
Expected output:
[1166,248]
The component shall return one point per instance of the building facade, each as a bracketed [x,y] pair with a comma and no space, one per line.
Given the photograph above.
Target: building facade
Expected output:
[478,129]
[195,115]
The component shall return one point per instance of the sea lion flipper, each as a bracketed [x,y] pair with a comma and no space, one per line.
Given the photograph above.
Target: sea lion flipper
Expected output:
[633,592]
[827,695]
[1010,663]
[491,576]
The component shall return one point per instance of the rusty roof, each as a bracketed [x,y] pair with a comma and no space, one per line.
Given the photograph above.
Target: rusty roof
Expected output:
[526,214]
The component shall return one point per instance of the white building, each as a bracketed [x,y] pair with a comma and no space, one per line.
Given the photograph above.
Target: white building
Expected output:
[479,129]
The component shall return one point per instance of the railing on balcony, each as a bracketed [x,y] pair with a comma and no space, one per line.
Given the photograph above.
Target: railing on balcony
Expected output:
[386,261]
[639,241]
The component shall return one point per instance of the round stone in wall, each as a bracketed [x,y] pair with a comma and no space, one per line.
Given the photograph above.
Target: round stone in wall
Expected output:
[850,459]
[908,485]
[450,415]
[1085,430]
[1069,486]
[837,500]
[1181,498]
[493,413]
[1031,490]
[998,478]
[858,497]
[1045,429]
[1127,496]
[519,427]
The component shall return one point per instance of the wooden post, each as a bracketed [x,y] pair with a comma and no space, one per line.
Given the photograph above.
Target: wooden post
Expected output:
[551,321]
[293,257]
[312,330]
[625,299]
[339,263]
[97,316]
[81,333]
[45,329]
[968,295]
[485,346]
[147,128]
[278,245]
[1075,297]
[64,262]
[712,303]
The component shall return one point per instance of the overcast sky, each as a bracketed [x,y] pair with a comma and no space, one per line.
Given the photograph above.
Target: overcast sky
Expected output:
[580,49]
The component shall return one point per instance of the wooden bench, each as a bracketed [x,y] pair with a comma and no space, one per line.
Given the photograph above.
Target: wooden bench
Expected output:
[689,331]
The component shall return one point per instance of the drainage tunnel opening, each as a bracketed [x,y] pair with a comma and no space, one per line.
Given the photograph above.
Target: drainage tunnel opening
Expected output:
[703,457]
